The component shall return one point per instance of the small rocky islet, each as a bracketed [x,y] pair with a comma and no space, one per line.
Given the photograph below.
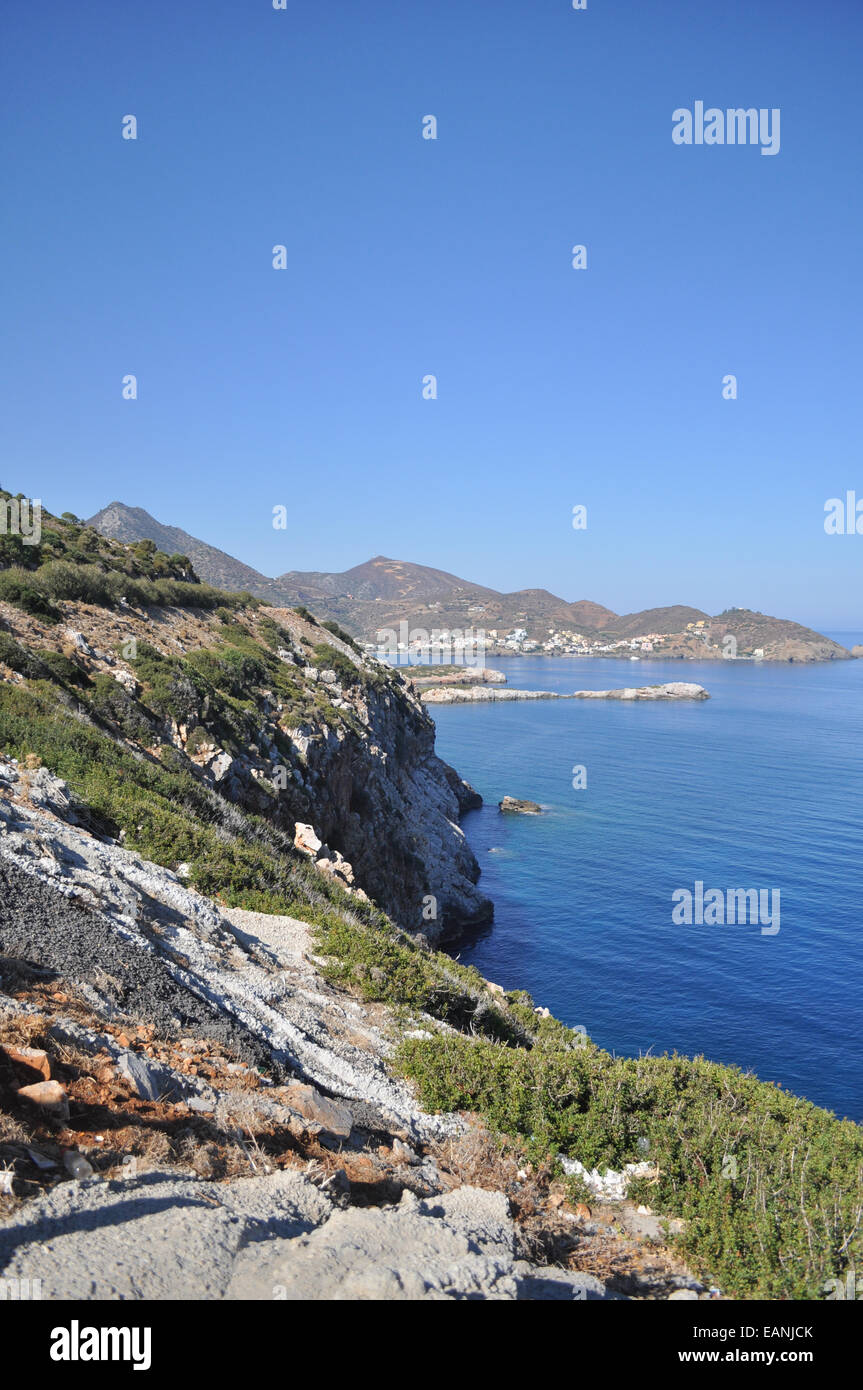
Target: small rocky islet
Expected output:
[671,690]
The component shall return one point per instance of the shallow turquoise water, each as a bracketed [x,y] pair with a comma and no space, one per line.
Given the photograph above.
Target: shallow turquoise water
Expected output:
[759,787]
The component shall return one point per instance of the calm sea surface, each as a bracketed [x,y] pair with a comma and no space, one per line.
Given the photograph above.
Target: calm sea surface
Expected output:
[758,787]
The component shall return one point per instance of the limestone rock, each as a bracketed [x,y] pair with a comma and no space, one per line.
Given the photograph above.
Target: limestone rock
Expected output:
[527,808]
[610,1186]
[476,694]
[157,1236]
[673,690]
[33,1058]
[44,1093]
[220,765]
[148,1080]
[335,1119]
[337,867]
[79,641]
[127,680]
[306,841]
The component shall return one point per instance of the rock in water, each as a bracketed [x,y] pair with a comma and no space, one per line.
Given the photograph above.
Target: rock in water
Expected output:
[674,690]
[526,808]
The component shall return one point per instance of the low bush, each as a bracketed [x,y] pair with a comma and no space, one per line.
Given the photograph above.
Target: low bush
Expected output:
[110,701]
[330,658]
[19,658]
[20,587]
[769,1185]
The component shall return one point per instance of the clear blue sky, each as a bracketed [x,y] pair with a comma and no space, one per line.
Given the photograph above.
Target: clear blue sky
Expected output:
[405,257]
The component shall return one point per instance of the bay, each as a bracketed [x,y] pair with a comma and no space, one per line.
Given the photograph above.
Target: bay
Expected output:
[757,787]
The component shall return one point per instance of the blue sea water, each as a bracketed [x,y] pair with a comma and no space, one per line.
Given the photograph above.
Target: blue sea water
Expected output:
[758,787]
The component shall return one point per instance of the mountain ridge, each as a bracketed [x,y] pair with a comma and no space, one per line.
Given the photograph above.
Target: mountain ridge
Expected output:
[381,593]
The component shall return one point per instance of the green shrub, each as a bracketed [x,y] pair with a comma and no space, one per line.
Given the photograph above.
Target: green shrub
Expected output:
[197,738]
[243,670]
[385,964]
[63,669]
[20,588]
[61,579]
[13,551]
[230,670]
[788,1220]
[330,658]
[19,658]
[273,633]
[110,701]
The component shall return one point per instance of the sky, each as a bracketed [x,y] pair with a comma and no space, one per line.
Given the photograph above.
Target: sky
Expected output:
[408,257]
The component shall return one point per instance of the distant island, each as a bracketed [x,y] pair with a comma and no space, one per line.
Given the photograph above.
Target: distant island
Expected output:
[437,614]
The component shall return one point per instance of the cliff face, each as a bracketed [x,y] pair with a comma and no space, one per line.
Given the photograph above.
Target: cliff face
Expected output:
[230,1117]
[291,722]
[374,791]
[385,801]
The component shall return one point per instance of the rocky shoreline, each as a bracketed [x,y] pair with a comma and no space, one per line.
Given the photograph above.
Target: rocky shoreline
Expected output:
[230,1059]
[461,695]
[223,1120]
[672,690]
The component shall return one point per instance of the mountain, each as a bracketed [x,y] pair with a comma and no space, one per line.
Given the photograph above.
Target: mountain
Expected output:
[382,593]
[379,593]
[672,619]
[131,524]
[382,578]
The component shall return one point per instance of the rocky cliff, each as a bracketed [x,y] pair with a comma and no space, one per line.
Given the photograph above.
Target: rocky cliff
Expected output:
[199,800]
[191,1109]
[285,719]
[376,792]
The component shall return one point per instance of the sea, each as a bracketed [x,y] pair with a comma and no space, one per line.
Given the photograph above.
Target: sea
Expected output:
[758,787]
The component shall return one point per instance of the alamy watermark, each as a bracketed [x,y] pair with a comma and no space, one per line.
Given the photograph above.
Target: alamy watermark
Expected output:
[438,647]
[19,516]
[730,652]
[837,1290]
[715,907]
[20,1290]
[844,515]
[733,126]
[77,1343]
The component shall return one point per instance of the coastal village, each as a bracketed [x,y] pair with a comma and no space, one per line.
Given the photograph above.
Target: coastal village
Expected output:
[459,646]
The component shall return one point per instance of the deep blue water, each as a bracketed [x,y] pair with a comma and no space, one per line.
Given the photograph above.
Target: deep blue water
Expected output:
[758,787]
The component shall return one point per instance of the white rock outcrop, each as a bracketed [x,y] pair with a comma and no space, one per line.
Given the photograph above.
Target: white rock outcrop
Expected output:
[673,690]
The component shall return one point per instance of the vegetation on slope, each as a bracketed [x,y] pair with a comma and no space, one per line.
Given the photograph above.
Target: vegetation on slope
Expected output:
[72,561]
[769,1186]
[788,1218]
